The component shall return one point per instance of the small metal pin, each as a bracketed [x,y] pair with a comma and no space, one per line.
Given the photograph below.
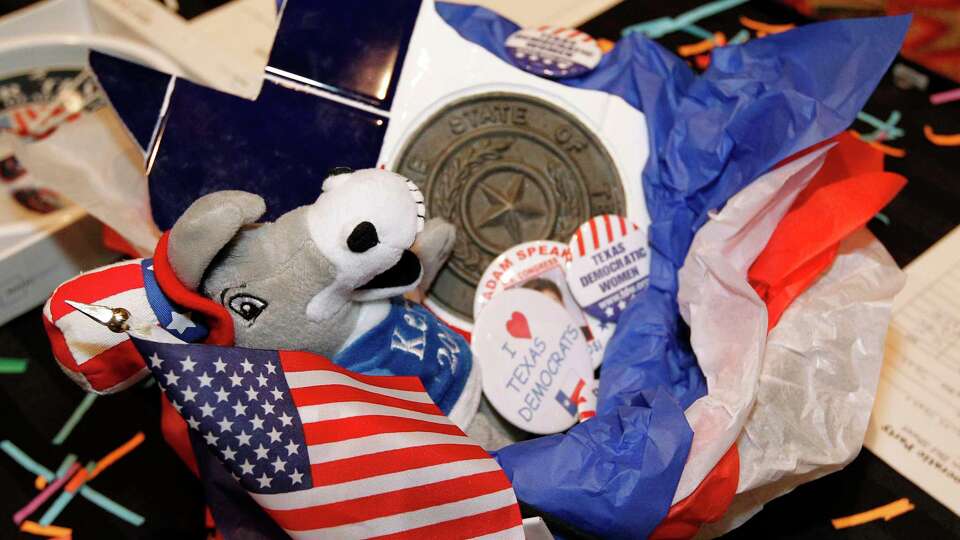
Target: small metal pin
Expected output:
[115,319]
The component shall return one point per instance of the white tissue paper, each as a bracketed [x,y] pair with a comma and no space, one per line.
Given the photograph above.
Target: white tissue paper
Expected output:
[818,380]
[727,319]
[94,162]
[796,402]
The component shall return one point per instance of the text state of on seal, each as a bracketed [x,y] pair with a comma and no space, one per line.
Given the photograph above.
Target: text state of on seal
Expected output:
[506,168]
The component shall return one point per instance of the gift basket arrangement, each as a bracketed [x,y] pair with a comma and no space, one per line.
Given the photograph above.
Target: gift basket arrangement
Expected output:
[525,284]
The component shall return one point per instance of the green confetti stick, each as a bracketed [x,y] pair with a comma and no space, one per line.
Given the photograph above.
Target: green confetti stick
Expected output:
[74,419]
[13,365]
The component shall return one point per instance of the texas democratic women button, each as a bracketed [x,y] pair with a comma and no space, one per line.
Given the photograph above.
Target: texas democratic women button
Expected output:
[609,264]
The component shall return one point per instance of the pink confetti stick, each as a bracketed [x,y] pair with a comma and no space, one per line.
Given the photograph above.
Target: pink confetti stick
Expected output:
[42,497]
[945,97]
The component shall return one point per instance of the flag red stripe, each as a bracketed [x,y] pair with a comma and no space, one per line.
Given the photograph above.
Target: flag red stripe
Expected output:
[607,224]
[482,524]
[90,291]
[583,249]
[391,461]
[593,231]
[328,431]
[304,361]
[391,502]
[623,226]
[339,393]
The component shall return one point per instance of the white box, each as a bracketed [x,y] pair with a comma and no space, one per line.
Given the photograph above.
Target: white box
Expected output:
[37,257]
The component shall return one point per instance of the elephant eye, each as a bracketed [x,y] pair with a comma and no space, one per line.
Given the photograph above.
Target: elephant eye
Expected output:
[247,306]
[363,237]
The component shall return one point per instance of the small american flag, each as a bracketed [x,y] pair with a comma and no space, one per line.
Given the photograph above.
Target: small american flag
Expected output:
[329,453]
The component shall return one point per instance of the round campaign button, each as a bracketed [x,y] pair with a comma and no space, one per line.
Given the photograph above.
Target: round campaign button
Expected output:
[534,360]
[609,264]
[554,52]
[540,265]
[517,265]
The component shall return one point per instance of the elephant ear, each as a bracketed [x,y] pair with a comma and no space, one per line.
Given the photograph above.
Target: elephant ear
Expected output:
[205,228]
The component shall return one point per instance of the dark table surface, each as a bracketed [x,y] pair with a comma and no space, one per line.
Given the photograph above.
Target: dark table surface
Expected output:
[153,482]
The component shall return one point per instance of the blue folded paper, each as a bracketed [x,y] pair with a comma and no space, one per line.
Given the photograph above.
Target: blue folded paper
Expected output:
[711,135]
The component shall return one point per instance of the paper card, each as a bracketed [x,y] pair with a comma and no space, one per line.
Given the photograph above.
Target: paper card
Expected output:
[234,36]
[534,360]
[915,426]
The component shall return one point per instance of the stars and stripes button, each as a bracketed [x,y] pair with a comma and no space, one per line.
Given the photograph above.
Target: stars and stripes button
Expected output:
[609,264]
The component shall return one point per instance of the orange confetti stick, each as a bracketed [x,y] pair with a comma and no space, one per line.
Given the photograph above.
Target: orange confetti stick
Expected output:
[112,457]
[82,476]
[78,480]
[700,47]
[888,150]
[51,531]
[941,140]
[40,482]
[885,512]
[605,44]
[765,28]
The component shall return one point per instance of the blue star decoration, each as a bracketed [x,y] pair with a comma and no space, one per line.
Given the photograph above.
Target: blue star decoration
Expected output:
[325,103]
[178,323]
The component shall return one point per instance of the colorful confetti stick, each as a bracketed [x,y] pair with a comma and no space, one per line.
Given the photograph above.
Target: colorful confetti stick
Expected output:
[667,25]
[63,499]
[889,127]
[42,497]
[111,506]
[717,40]
[765,28]
[742,36]
[885,512]
[887,150]
[26,461]
[48,530]
[74,419]
[58,505]
[941,140]
[87,492]
[888,131]
[41,481]
[945,97]
[13,365]
[697,31]
[115,455]
[67,462]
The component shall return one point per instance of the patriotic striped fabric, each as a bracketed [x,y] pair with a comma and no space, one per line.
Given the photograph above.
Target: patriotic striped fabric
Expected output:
[98,359]
[329,453]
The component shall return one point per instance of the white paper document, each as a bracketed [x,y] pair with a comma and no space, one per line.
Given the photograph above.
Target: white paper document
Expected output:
[224,44]
[915,426]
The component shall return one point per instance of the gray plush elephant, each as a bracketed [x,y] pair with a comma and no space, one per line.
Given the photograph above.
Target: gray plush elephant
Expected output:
[326,278]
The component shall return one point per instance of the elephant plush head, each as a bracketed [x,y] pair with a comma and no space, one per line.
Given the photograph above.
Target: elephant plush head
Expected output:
[319,274]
